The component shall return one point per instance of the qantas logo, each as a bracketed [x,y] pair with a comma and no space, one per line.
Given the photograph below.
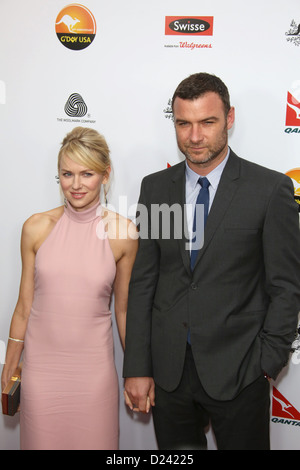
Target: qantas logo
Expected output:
[293,111]
[283,411]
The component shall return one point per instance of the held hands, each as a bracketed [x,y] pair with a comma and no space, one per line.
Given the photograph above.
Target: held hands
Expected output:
[139,393]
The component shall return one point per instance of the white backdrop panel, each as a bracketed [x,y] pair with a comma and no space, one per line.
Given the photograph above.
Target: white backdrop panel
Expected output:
[126,77]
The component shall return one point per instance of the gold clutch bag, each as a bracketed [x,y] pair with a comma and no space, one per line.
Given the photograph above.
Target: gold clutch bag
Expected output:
[11,394]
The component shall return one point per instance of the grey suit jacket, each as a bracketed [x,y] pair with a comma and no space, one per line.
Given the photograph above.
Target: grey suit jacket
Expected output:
[242,300]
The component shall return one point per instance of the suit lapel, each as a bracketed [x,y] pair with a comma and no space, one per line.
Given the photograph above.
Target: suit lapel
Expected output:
[177,196]
[226,190]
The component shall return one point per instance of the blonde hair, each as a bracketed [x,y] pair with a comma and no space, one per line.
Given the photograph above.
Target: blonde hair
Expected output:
[86,147]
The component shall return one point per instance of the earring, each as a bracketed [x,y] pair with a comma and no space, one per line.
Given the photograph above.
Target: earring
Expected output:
[105,196]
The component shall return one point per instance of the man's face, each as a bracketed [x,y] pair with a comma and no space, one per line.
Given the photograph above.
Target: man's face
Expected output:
[202,130]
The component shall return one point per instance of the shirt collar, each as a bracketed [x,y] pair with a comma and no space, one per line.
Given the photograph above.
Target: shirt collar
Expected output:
[213,177]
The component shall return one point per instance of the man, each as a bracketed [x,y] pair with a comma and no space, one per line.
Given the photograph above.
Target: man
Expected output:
[203,337]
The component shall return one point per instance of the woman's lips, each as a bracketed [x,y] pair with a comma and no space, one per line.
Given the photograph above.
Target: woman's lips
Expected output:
[78,195]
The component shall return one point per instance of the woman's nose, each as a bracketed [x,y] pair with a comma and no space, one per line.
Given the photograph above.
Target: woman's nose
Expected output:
[76,182]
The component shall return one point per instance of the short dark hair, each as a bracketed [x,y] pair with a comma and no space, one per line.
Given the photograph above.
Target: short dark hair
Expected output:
[198,84]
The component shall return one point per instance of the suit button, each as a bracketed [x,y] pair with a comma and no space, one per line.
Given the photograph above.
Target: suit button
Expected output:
[194,286]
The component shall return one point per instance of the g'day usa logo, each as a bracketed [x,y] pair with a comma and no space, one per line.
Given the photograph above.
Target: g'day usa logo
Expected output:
[75,27]
[190,25]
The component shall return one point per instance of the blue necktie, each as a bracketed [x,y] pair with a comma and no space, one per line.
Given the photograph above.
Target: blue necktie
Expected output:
[203,198]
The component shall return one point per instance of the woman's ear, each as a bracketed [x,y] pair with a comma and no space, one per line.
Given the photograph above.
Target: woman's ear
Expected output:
[106,175]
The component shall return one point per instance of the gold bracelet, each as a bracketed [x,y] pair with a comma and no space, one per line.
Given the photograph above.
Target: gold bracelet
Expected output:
[16,340]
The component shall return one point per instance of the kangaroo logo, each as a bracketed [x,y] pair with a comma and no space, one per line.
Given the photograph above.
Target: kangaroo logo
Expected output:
[69,22]
[292,111]
[297,110]
[75,27]
[282,408]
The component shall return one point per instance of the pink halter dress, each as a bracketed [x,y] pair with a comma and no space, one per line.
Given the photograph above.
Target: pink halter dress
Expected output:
[69,391]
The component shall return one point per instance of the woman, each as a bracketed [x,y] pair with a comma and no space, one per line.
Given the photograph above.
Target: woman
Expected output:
[72,257]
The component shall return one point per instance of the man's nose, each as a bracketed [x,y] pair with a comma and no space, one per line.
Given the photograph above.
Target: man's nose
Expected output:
[196,133]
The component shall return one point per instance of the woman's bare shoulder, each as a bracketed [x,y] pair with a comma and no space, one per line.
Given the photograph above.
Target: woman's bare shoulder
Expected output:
[39,225]
[44,218]
[118,226]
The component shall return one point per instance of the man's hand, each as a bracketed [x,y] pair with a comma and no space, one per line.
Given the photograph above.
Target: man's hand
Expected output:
[139,393]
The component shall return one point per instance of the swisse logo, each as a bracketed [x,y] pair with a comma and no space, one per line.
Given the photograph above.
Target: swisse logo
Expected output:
[189,25]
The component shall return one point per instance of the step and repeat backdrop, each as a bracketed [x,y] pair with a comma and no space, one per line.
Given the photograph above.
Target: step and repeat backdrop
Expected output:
[114,66]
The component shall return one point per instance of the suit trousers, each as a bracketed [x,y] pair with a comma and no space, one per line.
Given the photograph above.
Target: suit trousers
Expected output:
[180,417]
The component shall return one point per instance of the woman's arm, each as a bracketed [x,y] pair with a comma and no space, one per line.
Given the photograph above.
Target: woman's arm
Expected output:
[35,231]
[125,263]
[123,239]
[22,311]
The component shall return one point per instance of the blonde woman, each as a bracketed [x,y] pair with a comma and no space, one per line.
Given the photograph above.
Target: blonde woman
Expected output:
[73,257]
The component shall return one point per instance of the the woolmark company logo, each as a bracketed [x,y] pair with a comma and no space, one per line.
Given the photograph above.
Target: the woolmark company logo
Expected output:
[75,106]
[189,25]
[75,27]
[76,110]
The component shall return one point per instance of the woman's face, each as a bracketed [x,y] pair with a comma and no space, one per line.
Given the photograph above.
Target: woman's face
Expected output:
[80,185]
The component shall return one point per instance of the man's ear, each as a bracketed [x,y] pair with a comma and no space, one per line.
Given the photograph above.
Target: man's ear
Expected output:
[230,118]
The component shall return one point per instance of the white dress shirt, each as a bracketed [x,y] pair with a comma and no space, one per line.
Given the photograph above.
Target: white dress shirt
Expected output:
[192,189]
